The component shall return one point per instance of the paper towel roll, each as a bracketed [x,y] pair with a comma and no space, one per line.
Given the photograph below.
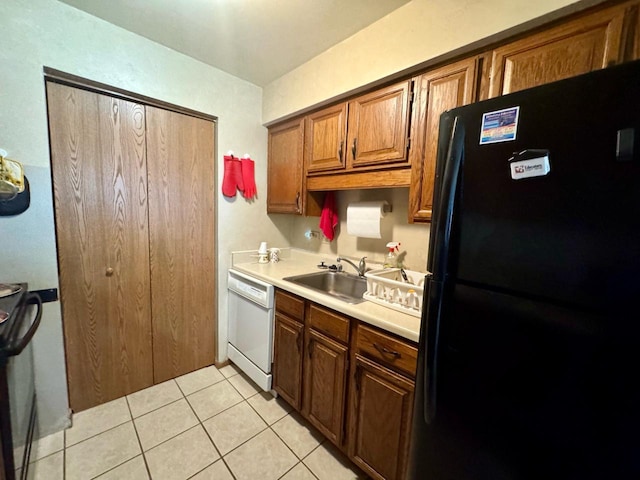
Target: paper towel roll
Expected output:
[364,218]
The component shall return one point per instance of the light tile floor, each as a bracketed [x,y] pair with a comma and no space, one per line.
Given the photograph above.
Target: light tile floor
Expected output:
[209,424]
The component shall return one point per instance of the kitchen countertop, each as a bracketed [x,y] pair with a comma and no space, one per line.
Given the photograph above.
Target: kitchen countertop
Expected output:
[298,262]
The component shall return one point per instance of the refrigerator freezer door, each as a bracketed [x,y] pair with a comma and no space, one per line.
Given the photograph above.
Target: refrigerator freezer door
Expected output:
[571,235]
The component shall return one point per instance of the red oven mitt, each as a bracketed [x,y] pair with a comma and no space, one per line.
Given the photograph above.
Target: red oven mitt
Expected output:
[248,177]
[232,176]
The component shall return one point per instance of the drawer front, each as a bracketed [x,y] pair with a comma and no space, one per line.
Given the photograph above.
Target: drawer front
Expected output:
[329,323]
[388,350]
[290,305]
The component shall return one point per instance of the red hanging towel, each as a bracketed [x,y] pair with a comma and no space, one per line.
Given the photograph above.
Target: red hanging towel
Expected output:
[329,217]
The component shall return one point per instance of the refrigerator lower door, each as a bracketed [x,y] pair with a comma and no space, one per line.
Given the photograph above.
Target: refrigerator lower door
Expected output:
[528,390]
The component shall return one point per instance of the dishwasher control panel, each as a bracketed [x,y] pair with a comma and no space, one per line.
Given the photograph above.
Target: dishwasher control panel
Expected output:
[251,288]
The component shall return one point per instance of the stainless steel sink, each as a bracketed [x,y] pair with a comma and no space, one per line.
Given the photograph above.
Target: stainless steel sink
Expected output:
[344,286]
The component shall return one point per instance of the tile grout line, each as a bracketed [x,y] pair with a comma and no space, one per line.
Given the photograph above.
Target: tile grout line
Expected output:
[97,434]
[215,415]
[144,458]
[209,436]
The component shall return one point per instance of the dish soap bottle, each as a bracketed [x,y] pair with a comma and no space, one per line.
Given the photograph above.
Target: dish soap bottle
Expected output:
[391,261]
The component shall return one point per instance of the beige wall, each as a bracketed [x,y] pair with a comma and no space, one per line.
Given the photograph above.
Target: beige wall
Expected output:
[394,227]
[37,33]
[414,33]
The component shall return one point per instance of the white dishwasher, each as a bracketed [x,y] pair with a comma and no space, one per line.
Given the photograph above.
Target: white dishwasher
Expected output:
[250,307]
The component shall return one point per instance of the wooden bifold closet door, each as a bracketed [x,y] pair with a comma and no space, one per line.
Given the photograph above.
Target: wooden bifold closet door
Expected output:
[134,193]
[98,160]
[181,232]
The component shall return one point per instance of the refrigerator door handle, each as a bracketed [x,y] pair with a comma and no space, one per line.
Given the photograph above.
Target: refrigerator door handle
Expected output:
[437,283]
[430,324]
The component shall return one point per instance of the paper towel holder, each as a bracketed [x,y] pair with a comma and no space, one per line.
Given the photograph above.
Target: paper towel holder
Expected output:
[386,207]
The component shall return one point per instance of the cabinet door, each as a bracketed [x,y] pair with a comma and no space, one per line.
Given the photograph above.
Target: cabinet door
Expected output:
[98,162]
[325,138]
[181,169]
[378,127]
[438,91]
[285,171]
[380,420]
[588,43]
[287,360]
[325,379]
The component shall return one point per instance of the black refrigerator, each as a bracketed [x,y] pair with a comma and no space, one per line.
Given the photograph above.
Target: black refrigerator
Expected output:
[529,360]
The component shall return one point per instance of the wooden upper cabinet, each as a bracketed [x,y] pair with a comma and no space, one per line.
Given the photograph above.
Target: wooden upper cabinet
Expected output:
[438,91]
[573,48]
[325,138]
[378,127]
[285,170]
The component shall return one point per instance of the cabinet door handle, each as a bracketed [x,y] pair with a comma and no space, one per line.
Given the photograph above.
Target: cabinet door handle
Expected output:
[385,351]
[340,150]
[298,202]
[310,348]
[108,272]
[354,148]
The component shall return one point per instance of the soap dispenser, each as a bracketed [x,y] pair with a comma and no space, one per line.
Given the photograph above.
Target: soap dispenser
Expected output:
[391,260]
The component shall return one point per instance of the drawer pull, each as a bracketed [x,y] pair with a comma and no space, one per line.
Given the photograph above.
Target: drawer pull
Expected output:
[385,351]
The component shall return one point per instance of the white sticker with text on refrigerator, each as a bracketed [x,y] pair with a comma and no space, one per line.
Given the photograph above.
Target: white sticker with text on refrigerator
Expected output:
[499,126]
[534,167]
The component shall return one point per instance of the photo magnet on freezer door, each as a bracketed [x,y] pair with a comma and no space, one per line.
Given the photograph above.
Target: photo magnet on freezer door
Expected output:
[499,126]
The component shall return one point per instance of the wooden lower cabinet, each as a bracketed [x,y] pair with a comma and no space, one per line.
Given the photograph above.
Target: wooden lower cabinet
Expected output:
[325,385]
[287,361]
[380,420]
[353,382]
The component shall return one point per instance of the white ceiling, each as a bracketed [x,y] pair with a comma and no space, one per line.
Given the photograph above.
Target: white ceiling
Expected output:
[257,40]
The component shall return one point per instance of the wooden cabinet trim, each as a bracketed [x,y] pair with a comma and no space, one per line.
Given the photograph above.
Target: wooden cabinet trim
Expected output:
[391,178]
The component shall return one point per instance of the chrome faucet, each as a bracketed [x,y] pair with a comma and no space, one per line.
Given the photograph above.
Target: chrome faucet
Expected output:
[361,268]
